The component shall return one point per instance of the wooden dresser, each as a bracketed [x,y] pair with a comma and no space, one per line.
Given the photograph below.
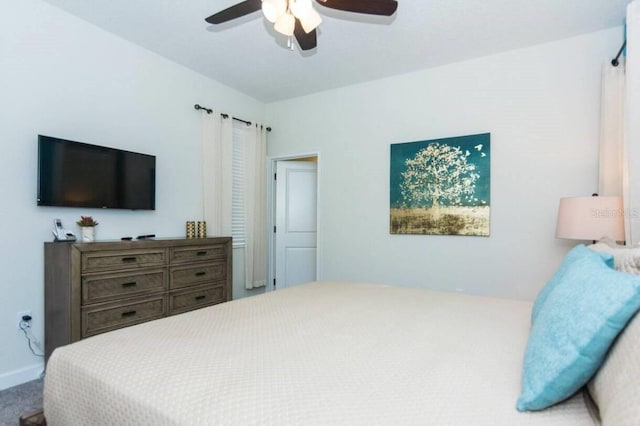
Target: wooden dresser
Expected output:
[91,288]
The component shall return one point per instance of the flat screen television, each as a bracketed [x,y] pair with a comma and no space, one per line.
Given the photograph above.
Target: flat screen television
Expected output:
[74,174]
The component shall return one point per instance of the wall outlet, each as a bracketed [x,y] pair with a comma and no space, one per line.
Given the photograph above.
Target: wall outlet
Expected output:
[19,318]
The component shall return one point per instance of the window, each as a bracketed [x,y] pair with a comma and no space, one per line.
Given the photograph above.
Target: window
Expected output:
[240,131]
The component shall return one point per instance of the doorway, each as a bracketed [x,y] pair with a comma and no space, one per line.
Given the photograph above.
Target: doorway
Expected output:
[294,221]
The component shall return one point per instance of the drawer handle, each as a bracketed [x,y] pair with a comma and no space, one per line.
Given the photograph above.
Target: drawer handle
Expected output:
[128,314]
[200,274]
[129,259]
[131,284]
[200,297]
[201,253]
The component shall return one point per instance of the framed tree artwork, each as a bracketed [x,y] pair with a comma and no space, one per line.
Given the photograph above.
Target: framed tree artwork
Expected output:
[441,186]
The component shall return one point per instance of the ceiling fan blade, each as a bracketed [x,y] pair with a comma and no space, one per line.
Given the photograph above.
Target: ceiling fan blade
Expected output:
[306,41]
[370,7]
[243,8]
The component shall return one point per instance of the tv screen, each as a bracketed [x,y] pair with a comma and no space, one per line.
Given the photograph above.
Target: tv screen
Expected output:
[74,174]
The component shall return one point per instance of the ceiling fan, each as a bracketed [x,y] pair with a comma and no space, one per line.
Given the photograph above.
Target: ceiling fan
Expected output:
[298,18]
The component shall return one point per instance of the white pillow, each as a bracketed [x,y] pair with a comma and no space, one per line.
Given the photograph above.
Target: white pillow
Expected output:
[625,259]
[614,388]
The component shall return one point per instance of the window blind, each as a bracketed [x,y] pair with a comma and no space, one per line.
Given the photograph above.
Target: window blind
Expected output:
[238,185]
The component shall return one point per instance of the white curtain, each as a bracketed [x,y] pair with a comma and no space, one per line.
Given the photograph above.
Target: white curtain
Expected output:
[619,135]
[612,130]
[632,203]
[217,151]
[255,260]
[613,176]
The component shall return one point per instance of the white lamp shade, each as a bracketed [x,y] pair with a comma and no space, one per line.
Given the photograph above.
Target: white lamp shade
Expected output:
[590,218]
[273,9]
[285,24]
[310,21]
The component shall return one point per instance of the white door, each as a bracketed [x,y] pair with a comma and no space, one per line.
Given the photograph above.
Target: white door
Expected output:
[296,225]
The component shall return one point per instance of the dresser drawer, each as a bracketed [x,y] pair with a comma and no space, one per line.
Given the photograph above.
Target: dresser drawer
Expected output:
[103,318]
[130,259]
[197,253]
[104,287]
[185,276]
[187,300]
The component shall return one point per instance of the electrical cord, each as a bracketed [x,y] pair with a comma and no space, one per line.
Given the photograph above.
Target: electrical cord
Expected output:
[26,329]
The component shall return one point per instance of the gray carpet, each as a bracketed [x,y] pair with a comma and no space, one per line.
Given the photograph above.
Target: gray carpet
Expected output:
[18,400]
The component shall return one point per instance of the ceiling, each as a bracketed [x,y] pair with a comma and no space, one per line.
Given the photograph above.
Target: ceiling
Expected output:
[248,55]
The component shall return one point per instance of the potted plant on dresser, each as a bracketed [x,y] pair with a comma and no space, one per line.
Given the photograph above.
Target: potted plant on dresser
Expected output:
[87,225]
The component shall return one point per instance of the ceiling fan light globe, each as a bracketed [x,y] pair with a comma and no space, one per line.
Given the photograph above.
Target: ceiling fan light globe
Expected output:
[300,8]
[310,21]
[273,9]
[285,24]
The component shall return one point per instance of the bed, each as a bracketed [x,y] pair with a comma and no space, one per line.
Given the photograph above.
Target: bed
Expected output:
[324,353]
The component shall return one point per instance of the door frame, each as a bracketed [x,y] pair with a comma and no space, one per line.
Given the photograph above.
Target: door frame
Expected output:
[271,210]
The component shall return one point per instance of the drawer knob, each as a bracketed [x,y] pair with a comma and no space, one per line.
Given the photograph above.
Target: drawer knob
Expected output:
[201,274]
[201,253]
[200,297]
[128,285]
[128,314]
[129,259]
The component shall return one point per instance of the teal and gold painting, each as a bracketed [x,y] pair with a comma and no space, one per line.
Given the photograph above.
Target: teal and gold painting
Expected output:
[441,186]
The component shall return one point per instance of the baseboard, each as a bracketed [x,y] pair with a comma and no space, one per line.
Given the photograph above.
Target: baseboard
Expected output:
[20,376]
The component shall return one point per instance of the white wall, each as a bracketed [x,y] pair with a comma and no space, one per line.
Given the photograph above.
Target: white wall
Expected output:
[63,77]
[541,106]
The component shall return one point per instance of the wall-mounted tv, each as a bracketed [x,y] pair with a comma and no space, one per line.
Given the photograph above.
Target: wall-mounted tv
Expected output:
[74,174]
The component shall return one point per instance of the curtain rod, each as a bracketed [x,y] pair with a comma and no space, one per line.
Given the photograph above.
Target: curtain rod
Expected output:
[210,111]
[614,61]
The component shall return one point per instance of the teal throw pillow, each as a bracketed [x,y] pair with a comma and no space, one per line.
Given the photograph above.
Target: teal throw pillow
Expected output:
[580,317]
[575,254]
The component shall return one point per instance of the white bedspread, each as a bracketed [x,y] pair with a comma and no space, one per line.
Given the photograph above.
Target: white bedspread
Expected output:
[325,353]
